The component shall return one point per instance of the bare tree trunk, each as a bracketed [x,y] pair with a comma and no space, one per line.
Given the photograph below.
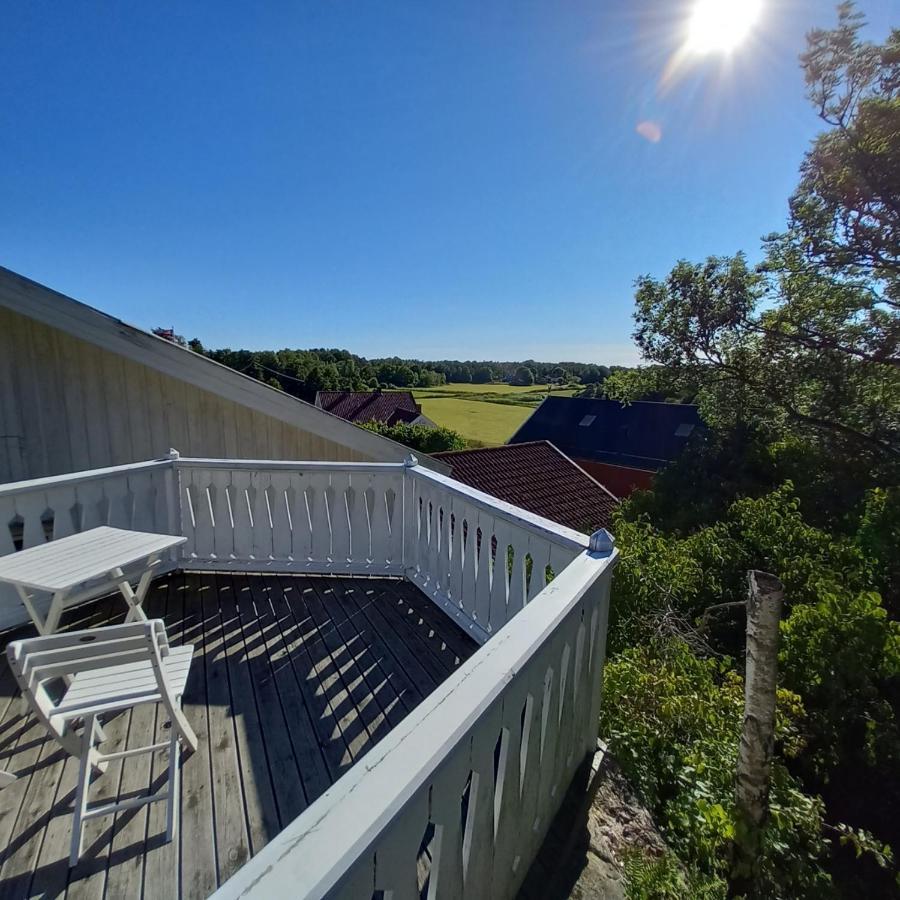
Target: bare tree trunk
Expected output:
[764,600]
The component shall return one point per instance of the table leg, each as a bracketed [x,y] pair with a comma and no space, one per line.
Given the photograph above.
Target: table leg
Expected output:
[51,623]
[55,612]
[135,598]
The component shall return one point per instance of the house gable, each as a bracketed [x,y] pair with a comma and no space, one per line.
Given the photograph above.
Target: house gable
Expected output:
[81,389]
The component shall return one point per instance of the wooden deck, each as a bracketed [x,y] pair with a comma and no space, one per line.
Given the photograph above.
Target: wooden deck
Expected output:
[294,678]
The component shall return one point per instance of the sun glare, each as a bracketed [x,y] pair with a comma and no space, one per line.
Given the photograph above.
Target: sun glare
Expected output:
[719,26]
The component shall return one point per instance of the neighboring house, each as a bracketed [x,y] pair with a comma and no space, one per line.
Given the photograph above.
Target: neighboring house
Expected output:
[80,389]
[538,477]
[392,407]
[621,446]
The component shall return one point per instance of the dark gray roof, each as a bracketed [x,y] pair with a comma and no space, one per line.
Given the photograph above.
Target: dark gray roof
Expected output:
[642,435]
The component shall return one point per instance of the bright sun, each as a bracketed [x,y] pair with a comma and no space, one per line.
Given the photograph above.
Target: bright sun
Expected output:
[718,26]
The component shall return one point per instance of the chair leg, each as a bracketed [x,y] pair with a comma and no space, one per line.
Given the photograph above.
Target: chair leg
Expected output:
[180,725]
[173,806]
[81,794]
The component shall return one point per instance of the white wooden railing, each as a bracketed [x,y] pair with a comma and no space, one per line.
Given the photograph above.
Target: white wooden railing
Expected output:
[142,496]
[454,801]
[480,559]
[320,517]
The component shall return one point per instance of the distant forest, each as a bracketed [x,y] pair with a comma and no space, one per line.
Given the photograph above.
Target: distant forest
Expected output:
[304,372]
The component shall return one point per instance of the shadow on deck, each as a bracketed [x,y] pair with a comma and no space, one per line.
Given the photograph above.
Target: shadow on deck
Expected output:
[294,678]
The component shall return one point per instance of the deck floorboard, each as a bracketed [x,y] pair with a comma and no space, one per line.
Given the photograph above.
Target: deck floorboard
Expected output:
[294,678]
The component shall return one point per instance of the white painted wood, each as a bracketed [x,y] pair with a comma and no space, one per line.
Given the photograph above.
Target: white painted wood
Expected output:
[71,561]
[476,587]
[532,690]
[370,823]
[91,560]
[141,496]
[107,670]
[293,517]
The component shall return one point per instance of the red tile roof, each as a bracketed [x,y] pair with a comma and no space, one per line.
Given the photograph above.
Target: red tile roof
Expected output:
[539,478]
[370,406]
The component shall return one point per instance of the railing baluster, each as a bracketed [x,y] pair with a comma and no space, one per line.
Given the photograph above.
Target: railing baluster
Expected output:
[282,516]
[217,514]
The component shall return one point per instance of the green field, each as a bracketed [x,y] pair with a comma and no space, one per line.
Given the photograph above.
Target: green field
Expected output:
[485,414]
[475,420]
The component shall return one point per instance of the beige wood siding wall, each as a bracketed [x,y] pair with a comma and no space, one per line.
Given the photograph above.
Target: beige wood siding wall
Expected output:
[67,405]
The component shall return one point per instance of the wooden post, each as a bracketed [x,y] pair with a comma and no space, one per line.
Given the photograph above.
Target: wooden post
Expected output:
[764,600]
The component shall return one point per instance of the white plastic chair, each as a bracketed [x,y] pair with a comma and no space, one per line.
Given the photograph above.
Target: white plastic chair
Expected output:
[103,671]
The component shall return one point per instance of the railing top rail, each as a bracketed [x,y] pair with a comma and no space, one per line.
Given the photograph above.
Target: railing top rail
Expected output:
[51,481]
[559,534]
[359,805]
[289,465]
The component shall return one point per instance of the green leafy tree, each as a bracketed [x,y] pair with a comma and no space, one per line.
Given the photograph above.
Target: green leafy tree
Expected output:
[673,721]
[419,437]
[796,365]
[523,376]
[807,343]
[846,210]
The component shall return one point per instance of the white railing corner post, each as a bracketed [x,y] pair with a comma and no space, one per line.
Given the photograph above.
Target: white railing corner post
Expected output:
[407,511]
[602,590]
[173,490]
[602,542]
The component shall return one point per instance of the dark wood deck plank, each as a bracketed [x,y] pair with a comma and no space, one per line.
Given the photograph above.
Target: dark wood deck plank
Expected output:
[365,595]
[340,684]
[232,842]
[282,639]
[389,684]
[161,869]
[293,679]
[365,722]
[407,623]
[447,635]
[316,674]
[277,786]
[197,854]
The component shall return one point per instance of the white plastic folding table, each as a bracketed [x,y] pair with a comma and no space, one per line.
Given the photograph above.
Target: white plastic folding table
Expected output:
[85,565]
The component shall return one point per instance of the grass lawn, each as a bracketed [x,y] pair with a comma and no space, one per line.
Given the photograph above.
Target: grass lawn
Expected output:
[475,420]
[483,413]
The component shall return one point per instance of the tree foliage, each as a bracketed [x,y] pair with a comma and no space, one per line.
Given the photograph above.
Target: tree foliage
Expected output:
[423,438]
[673,721]
[808,342]
[523,376]
[795,363]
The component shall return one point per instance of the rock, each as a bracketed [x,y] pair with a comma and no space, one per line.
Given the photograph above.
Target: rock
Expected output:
[582,857]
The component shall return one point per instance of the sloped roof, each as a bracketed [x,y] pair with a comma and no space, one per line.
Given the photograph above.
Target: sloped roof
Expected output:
[539,478]
[29,298]
[370,406]
[642,435]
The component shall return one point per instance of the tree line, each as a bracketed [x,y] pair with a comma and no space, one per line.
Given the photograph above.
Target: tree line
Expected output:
[304,372]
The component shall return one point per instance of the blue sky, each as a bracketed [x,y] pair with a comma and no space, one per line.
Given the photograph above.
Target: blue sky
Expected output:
[459,180]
